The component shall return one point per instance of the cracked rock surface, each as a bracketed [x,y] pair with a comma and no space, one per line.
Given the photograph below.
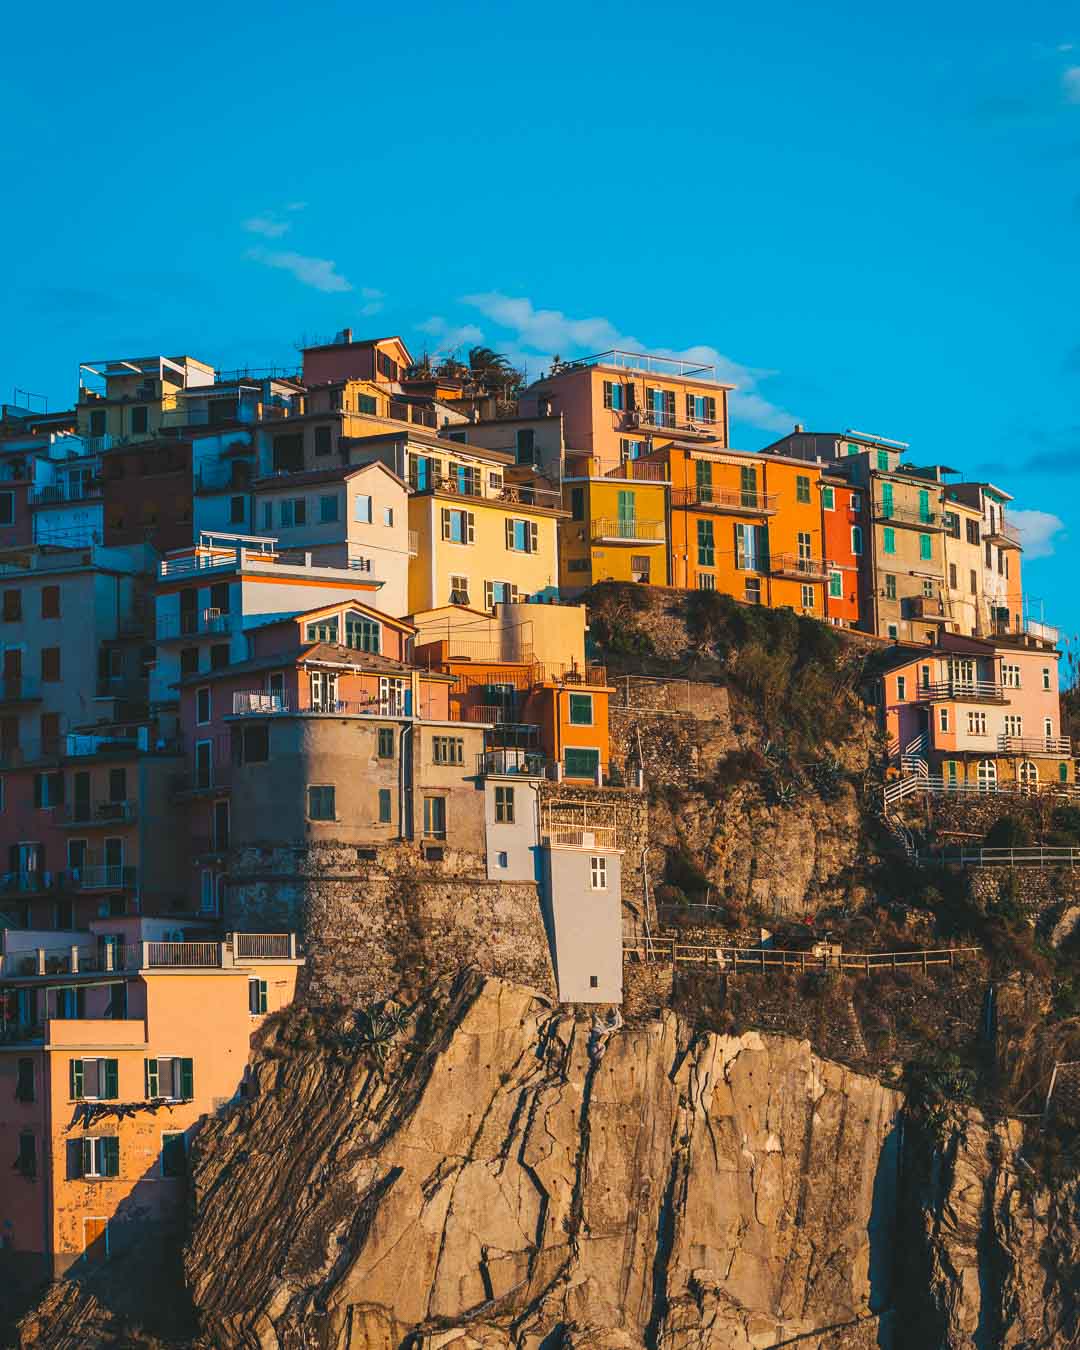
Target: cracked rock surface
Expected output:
[510,1178]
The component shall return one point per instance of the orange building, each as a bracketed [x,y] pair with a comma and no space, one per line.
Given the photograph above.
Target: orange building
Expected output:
[746,525]
[111,1050]
[842,532]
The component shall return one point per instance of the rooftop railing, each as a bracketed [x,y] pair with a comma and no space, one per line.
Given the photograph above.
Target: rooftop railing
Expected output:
[962,691]
[97,958]
[671,366]
[1035,745]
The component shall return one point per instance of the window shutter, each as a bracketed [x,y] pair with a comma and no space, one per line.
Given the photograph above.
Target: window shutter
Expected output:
[37,789]
[534,536]
[689,407]
[110,1156]
[513,594]
[86,1158]
[445,516]
[110,1079]
[152,1079]
[710,409]
[509,533]
[187,1079]
[76,1079]
[489,595]
[262,996]
[470,527]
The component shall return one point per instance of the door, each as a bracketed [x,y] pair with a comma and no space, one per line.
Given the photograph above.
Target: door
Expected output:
[704,480]
[987,775]
[189,605]
[95,1241]
[626,515]
[114,862]
[962,673]
[748,486]
[204,764]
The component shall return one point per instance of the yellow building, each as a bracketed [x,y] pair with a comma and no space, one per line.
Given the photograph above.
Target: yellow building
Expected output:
[134,397]
[479,539]
[617,526]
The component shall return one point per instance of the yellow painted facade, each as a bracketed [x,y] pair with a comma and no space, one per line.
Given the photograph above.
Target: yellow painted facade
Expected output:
[617,530]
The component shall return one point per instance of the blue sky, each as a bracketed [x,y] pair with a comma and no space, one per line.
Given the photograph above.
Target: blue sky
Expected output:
[870,214]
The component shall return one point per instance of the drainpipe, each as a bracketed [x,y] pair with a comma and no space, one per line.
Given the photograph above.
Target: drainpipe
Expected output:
[405,782]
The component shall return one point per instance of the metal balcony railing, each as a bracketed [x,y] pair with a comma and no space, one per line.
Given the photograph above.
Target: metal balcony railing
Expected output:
[101,877]
[1035,745]
[609,530]
[84,814]
[264,946]
[513,762]
[731,500]
[903,515]
[28,883]
[795,565]
[58,494]
[1004,535]
[962,691]
[194,624]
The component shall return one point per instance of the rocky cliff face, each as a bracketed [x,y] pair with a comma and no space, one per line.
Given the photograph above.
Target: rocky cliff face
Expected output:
[513,1176]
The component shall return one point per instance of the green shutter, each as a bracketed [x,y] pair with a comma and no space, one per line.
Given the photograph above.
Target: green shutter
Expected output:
[110,1079]
[187,1080]
[152,1079]
[109,1153]
[262,993]
[86,1157]
[76,1071]
[926,547]
[886,499]
[889,540]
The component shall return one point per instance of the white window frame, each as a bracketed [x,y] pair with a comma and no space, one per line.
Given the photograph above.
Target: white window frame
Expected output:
[598,873]
[943,719]
[362,508]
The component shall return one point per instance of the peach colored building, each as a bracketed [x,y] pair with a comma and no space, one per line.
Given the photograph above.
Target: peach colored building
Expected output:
[621,405]
[113,1045]
[977,713]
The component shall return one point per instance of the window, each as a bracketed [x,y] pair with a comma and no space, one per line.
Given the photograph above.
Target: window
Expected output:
[973,582]
[388,517]
[219,656]
[1063,773]
[579,762]
[836,586]
[504,806]
[1010,676]
[321,802]
[890,586]
[856,540]
[459,527]
[598,873]
[888,535]
[50,664]
[577,564]
[706,544]
[12,606]
[93,1079]
[986,775]
[256,996]
[752,590]
[640,567]
[448,749]
[139,421]
[1048,727]
[525,445]
[328,508]
[522,535]
[952,577]
[323,630]
[48,789]
[943,719]
[952,524]
[972,531]
[926,547]
[99,1156]
[361,633]
[24,1082]
[630,449]
[802,488]
[700,408]
[293,511]
[892,631]
[614,396]
[435,817]
[925,515]
[174,1143]
[202,705]
[828,498]
[928,589]
[7,508]
[268,515]
[706,581]
[577,503]
[989,553]
[901,688]
[1014,726]
[170,1078]
[386,742]
[1046,682]
[499,593]
[26,1158]
[459,590]
[976,723]
[362,508]
[322,440]
[253,744]
[386,813]
[581,710]
[883,461]
[366,403]
[50,602]
[807,596]
[237,511]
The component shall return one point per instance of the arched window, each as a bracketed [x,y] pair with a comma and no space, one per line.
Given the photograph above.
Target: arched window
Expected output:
[987,775]
[1028,775]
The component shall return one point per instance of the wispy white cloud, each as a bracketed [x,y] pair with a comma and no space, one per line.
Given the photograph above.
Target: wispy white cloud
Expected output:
[450,336]
[1070,83]
[268,226]
[373,301]
[538,332]
[319,273]
[1039,532]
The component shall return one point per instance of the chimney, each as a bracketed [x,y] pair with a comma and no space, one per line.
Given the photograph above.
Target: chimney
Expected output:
[798,427]
[346,335]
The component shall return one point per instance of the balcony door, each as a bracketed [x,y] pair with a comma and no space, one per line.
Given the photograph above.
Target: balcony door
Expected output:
[962,673]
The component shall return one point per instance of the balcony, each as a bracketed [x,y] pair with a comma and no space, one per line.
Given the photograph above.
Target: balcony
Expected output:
[608,530]
[256,703]
[199,623]
[476,487]
[60,494]
[94,958]
[1005,536]
[902,515]
[101,877]
[129,689]
[923,607]
[29,883]
[414,543]
[510,762]
[209,779]
[728,501]
[83,816]
[1033,628]
[32,752]
[639,471]
[962,691]
[797,567]
[19,689]
[1057,746]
